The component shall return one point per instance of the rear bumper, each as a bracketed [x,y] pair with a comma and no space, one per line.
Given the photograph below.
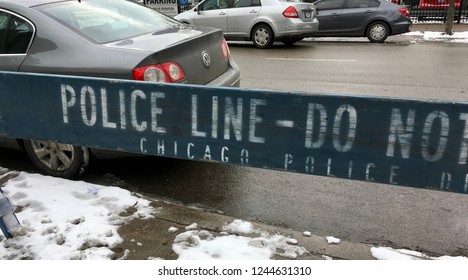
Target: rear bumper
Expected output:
[297,28]
[401,27]
[230,78]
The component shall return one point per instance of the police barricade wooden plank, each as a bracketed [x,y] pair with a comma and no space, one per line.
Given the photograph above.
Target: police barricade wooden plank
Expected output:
[418,143]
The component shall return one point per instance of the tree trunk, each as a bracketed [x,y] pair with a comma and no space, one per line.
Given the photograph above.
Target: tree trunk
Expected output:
[450,16]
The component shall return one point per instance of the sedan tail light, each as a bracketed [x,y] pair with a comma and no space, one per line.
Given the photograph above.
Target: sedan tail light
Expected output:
[404,11]
[225,49]
[290,12]
[169,72]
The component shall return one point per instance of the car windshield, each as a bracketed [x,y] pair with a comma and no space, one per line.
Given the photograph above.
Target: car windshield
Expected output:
[108,20]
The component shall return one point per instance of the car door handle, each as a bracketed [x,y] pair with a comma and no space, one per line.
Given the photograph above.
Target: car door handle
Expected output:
[222,13]
[253,12]
[335,15]
[369,12]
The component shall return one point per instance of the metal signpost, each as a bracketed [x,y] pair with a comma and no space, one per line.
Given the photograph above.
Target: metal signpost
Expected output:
[417,143]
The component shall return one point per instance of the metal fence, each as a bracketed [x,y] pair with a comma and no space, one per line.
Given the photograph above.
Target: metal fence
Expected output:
[423,11]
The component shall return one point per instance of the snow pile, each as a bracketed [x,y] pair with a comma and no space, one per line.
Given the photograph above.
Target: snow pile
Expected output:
[64,219]
[387,253]
[202,244]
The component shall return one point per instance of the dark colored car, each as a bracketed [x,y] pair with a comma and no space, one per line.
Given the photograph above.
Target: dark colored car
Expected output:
[104,38]
[374,19]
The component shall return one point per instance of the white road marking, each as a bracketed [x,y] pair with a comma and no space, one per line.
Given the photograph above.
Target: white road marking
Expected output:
[311,59]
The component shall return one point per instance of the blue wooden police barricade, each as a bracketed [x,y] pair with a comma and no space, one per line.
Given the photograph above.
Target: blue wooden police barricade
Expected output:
[407,142]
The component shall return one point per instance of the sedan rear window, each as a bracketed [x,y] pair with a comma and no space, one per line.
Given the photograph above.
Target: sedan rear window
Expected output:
[108,20]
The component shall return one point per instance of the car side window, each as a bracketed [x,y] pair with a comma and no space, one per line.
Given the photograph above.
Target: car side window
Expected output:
[353,4]
[15,34]
[246,3]
[215,4]
[330,4]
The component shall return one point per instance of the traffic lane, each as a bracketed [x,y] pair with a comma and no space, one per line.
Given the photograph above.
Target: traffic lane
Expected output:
[398,69]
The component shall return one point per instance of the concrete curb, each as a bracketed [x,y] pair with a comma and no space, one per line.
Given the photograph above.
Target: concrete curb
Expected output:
[150,238]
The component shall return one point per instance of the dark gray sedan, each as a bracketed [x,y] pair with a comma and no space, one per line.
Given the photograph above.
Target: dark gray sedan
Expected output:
[105,38]
[374,19]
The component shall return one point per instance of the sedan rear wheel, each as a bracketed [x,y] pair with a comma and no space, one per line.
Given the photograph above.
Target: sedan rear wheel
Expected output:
[55,159]
[262,36]
[377,32]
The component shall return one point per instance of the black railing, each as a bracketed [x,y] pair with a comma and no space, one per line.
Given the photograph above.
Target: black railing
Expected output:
[435,10]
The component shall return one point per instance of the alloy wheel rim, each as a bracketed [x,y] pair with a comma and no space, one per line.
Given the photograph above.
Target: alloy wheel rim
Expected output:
[55,156]
[378,32]
[262,36]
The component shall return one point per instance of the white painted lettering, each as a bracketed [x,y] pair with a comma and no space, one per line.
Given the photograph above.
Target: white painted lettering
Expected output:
[230,117]
[67,102]
[195,131]
[244,156]
[369,166]
[105,114]
[207,153]
[288,159]
[88,91]
[329,167]
[352,116]
[224,158]
[393,174]
[161,147]
[400,132]
[309,139]
[214,117]
[140,127]
[189,151]
[446,181]
[443,139]
[123,110]
[143,145]
[155,111]
[464,143]
[350,169]
[254,119]
[309,166]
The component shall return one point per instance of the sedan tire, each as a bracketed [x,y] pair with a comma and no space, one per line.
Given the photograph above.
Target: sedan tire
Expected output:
[262,36]
[55,159]
[377,32]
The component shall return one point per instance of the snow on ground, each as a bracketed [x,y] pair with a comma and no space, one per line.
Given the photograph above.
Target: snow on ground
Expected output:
[63,219]
[429,36]
[457,37]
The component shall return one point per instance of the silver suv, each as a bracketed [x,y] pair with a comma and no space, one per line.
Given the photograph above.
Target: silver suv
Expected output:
[262,21]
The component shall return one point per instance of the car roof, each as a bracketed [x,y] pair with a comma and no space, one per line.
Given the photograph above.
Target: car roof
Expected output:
[30,3]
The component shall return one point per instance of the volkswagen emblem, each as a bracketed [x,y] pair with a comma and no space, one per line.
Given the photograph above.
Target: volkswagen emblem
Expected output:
[206,59]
